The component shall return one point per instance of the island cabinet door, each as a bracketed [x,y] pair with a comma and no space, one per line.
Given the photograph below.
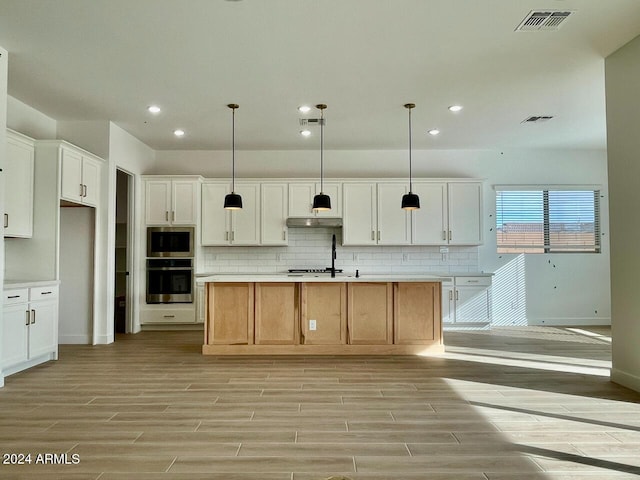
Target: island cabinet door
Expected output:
[230,308]
[369,313]
[324,313]
[276,314]
[416,313]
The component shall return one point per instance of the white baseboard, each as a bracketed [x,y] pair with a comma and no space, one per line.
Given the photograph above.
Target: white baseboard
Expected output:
[570,322]
[625,379]
[74,339]
[103,339]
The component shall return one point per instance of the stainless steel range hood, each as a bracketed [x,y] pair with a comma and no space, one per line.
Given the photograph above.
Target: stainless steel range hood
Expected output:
[317,222]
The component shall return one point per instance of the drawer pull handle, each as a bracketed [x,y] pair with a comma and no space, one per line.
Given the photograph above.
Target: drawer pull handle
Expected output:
[46,293]
[473,281]
[169,316]
[6,220]
[28,317]
[13,296]
[33,317]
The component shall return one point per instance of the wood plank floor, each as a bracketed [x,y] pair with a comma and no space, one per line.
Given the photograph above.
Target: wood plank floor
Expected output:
[510,403]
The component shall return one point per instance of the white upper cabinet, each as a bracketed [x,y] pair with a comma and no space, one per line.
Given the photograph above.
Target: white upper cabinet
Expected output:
[273,214]
[429,223]
[80,177]
[359,224]
[171,201]
[372,214]
[465,213]
[394,224]
[18,186]
[301,199]
[230,227]
[450,213]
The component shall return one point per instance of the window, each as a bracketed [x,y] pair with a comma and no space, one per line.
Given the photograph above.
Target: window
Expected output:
[547,220]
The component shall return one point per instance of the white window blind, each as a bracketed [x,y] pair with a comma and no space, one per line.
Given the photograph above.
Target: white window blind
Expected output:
[547,220]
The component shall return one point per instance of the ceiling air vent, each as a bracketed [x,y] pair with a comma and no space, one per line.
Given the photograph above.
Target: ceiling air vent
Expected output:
[537,119]
[312,122]
[543,20]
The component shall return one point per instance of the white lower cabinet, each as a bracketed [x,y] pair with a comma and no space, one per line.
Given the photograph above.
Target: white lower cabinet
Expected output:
[466,302]
[29,328]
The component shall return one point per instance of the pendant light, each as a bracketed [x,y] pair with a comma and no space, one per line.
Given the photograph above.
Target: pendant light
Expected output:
[233,201]
[410,201]
[321,202]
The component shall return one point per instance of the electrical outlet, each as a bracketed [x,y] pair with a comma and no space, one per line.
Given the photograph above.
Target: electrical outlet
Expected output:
[312,325]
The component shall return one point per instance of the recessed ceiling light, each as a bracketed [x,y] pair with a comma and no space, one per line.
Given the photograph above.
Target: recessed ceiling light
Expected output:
[178,133]
[455,108]
[304,108]
[305,133]
[434,132]
[153,109]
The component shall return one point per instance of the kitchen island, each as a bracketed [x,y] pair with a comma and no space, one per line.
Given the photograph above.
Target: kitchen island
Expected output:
[273,314]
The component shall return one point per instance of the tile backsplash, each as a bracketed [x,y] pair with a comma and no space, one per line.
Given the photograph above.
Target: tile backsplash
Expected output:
[311,248]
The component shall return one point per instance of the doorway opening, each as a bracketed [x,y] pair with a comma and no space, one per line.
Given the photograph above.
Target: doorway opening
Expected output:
[123,254]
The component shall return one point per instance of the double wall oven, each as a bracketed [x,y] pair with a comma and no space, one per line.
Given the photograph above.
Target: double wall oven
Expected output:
[170,253]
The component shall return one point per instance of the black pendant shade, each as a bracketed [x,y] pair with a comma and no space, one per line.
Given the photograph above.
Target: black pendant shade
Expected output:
[410,201]
[321,202]
[233,201]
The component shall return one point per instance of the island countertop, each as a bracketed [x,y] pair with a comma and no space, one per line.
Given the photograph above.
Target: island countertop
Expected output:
[319,277]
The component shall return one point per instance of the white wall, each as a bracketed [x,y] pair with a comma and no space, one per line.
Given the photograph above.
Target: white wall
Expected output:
[29,121]
[76,275]
[561,289]
[3,149]
[623,104]
[131,155]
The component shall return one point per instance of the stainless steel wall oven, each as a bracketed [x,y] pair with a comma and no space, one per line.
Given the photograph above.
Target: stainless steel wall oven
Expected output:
[170,280]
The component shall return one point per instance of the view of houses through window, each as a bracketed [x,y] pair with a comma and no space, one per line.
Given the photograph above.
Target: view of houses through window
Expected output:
[547,220]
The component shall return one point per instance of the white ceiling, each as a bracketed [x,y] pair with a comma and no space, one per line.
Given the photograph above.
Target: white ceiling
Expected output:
[110,59]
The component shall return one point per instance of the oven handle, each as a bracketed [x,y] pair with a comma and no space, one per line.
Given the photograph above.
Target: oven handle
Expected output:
[190,269]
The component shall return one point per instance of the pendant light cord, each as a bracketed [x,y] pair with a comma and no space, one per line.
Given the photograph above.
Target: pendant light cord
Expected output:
[410,173]
[233,150]
[322,150]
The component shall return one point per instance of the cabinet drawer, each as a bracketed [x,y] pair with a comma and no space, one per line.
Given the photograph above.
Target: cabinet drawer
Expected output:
[19,295]
[473,281]
[167,316]
[43,293]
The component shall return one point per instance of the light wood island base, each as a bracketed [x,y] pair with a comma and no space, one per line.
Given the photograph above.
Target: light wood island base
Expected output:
[323,318]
